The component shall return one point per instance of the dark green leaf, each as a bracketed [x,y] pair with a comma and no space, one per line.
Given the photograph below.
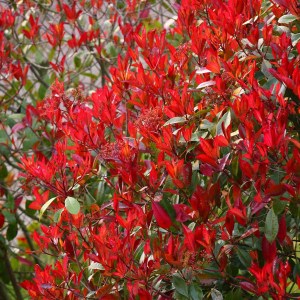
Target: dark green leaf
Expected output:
[165,203]
[279,206]
[3,171]
[12,231]
[234,295]
[180,285]
[29,211]
[244,257]
[195,292]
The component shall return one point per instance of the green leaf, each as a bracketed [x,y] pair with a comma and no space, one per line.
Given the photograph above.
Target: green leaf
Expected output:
[235,167]
[57,215]
[175,120]
[39,57]
[296,271]
[3,171]
[140,249]
[165,203]
[168,7]
[90,75]
[180,285]
[111,49]
[178,296]
[12,231]
[294,208]
[287,19]
[3,136]
[265,66]
[30,140]
[10,201]
[4,275]
[271,226]
[42,92]
[279,206]
[72,205]
[244,257]
[51,54]
[205,124]
[30,212]
[77,61]
[9,217]
[195,292]
[45,206]
[17,117]
[234,295]
[226,119]
[295,38]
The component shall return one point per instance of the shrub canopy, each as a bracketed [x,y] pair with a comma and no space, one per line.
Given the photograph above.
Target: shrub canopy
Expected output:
[157,146]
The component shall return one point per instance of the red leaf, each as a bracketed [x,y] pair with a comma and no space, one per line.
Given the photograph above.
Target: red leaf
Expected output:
[2,219]
[182,212]
[269,250]
[162,218]
[282,230]
[94,257]
[248,286]
[229,222]
[189,238]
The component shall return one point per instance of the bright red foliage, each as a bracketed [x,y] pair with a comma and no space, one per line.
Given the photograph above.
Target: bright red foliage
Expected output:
[179,177]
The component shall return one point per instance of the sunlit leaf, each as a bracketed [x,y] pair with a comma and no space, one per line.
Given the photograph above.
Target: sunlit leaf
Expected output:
[45,206]
[72,205]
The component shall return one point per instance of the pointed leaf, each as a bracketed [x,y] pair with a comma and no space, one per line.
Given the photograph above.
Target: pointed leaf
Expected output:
[226,119]
[287,19]
[180,285]
[45,206]
[162,218]
[175,120]
[12,231]
[206,84]
[195,292]
[57,215]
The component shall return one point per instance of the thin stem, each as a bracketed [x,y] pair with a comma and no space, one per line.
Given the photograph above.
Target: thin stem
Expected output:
[28,239]
[11,275]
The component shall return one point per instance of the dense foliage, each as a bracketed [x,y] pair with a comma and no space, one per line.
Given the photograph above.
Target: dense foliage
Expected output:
[157,149]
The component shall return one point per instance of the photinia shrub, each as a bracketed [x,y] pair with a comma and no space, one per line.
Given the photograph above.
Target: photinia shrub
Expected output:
[178,175]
